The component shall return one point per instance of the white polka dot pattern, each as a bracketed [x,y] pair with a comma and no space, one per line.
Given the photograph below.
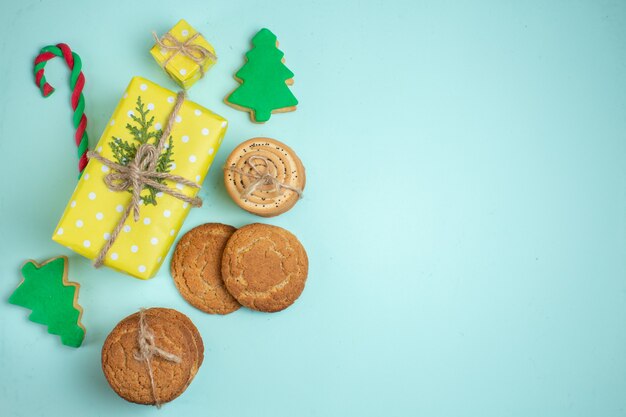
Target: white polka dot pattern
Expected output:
[180,67]
[94,211]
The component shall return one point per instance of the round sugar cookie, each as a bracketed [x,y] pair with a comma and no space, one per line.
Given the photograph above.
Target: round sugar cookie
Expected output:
[264,176]
[196,268]
[179,317]
[128,375]
[264,267]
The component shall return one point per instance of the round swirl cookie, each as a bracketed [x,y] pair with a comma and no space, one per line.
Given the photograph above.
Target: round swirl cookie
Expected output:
[197,268]
[264,176]
[264,267]
[152,356]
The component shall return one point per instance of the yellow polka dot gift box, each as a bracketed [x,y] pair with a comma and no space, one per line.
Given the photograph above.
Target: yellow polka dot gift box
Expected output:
[103,196]
[184,54]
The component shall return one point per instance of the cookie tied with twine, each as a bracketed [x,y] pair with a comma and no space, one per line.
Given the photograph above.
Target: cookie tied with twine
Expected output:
[152,356]
[264,176]
[140,173]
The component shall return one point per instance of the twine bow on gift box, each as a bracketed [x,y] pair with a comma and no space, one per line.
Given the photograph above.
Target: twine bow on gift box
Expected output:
[197,53]
[140,173]
[148,349]
[261,177]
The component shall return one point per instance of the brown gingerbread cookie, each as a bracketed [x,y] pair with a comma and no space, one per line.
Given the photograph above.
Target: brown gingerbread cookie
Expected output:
[175,315]
[264,267]
[196,268]
[185,321]
[151,356]
[264,176]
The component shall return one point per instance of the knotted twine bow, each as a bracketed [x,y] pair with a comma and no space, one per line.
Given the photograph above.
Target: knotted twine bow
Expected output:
[262,178]
[139,173]
[197,53]
[148,349]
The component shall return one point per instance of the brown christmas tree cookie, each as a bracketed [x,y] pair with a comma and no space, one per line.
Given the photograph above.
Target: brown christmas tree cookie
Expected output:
[151,356]
[264,176]
[196,268]
[264,267]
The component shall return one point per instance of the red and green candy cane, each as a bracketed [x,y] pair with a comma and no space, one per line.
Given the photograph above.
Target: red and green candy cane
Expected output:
[77,82]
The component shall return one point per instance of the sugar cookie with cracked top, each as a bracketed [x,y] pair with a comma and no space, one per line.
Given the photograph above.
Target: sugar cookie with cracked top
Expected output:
[128,374]
[196,268]
[264,267]
[179,317]
[264,176]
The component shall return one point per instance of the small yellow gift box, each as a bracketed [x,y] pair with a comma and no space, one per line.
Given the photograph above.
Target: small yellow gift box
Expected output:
[184,54]
[95,210]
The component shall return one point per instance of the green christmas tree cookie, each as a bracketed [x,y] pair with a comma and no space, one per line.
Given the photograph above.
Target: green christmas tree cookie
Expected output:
[52,298]
[264,81]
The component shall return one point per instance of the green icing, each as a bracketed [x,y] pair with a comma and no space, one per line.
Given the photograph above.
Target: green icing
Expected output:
[263,78]
[47,293]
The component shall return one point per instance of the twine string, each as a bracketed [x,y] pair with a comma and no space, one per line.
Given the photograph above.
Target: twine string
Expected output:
[140,173]
[197,53]
[262,177]
[148,349]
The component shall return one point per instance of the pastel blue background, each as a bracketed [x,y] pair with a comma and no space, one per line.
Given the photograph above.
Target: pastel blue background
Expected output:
[464,216]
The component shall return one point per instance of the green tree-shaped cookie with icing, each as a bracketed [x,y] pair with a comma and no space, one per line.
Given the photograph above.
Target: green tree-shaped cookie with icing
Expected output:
[52,298]
[265,81]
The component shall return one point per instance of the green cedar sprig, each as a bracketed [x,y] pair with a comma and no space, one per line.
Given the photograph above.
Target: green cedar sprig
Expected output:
[142,132]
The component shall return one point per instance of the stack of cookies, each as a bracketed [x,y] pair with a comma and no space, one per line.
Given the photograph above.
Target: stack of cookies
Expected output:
[218,268]
[152,356]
